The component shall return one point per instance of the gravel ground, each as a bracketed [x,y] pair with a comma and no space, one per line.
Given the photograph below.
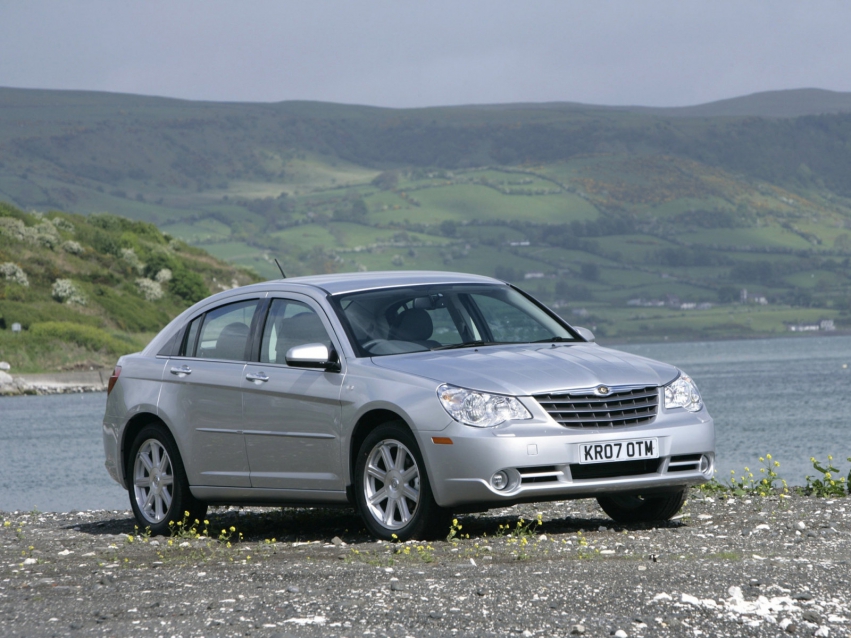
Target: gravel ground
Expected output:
[734,567]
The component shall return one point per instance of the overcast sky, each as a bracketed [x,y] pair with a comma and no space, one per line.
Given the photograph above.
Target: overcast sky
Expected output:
[429,52]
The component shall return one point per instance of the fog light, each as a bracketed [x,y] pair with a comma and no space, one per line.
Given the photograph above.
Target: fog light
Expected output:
[500,480]
[705,463]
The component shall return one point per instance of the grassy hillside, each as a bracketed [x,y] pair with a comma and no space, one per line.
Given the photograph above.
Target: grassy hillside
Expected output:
[647,223]
[86,290]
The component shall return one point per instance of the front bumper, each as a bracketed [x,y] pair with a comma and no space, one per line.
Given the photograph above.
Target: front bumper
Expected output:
[542,461]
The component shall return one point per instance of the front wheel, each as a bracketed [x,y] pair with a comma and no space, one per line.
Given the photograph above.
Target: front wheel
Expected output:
[642,509]
[159,491]
[392,489]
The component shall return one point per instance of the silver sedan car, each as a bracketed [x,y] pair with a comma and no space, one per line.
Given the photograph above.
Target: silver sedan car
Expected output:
[408,395]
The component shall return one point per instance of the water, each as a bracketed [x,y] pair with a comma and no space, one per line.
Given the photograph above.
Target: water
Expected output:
[51,454]
[787,397]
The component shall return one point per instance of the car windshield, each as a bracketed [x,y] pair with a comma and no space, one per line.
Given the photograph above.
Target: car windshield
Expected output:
[418,318]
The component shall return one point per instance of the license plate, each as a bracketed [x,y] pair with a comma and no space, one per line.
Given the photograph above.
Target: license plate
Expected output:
[611,451]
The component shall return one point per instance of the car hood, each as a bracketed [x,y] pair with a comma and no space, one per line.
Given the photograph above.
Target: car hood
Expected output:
[532,369]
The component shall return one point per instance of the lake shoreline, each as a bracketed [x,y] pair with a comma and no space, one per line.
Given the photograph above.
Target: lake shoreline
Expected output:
[74,382]
[39,384]
[731,338]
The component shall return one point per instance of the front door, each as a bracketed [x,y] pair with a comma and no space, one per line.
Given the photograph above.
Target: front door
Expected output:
[291,416]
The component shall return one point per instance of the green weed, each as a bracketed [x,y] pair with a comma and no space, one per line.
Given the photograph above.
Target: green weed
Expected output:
[826,485]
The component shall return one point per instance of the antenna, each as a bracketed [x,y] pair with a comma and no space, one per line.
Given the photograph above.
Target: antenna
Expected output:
[279,268]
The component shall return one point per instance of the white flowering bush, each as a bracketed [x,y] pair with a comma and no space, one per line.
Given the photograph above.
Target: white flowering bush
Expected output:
[43,234]
[164,276]
[129,255]
[14,273]
[64,291]
[46,235]
[62,224]
[72,247]
[12,227]
[151,290]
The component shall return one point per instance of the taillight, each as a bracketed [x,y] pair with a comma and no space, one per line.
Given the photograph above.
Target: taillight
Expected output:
[111,383]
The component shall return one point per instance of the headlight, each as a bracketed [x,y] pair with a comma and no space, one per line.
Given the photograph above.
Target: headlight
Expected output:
[683,393]
[480,409]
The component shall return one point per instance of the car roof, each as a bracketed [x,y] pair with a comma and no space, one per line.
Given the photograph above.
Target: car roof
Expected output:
[339,283]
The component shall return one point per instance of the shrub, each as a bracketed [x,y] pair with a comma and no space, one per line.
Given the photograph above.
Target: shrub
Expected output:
[64,291]
[449,228]
[12,227]
[14,273]
[103,242]
[87,337]
[28,313]
[72,247]
[149,289]
[129,255]
[386,180]
[62,224]
[158,261]
[188,285]
[46,235]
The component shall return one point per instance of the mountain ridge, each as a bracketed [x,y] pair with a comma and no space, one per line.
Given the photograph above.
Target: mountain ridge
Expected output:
[782,103]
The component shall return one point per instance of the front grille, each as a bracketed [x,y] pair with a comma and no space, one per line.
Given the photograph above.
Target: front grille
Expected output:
[585,409]
[612,470]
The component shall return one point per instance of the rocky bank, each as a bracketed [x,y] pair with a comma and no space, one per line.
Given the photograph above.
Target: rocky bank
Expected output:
[53,383]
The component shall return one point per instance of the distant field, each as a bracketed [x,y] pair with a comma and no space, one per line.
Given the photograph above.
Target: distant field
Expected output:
[472,201]
[772,237]
[587,208]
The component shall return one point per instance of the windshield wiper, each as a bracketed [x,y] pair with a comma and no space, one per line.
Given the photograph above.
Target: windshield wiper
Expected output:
[554,340]
[467,344]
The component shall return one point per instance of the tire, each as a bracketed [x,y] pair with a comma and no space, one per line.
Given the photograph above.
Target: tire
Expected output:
[642,509]
[159,492]
[392,489]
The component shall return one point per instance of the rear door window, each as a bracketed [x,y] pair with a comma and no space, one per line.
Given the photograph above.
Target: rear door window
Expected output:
[224,332]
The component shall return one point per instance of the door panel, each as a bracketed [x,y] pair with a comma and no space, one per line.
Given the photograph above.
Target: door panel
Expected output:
[291,415]
[202,395]
[205,407]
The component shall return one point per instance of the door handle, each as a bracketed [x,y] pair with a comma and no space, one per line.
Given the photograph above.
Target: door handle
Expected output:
[259,377]
[181,371]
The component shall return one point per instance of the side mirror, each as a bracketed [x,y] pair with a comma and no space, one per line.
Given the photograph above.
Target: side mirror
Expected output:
[583,332]
[313,355]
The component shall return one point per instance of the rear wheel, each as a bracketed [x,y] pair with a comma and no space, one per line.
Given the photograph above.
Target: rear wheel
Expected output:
[392,489]
[642,509]
[159,491]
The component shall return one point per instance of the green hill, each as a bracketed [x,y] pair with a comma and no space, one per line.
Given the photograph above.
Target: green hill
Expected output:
[647,223]
[86,290]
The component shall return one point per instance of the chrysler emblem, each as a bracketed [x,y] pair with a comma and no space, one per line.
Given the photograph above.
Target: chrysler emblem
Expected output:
[602,390]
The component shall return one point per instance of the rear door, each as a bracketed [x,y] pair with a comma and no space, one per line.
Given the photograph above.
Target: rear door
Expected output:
[292,415]
[202,395]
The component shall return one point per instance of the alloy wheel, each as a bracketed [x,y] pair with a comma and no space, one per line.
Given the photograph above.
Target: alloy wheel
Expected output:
[391,484]
[153,480]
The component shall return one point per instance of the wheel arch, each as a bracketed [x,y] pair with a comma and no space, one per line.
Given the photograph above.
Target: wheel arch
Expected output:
[131,430]
[366,424]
